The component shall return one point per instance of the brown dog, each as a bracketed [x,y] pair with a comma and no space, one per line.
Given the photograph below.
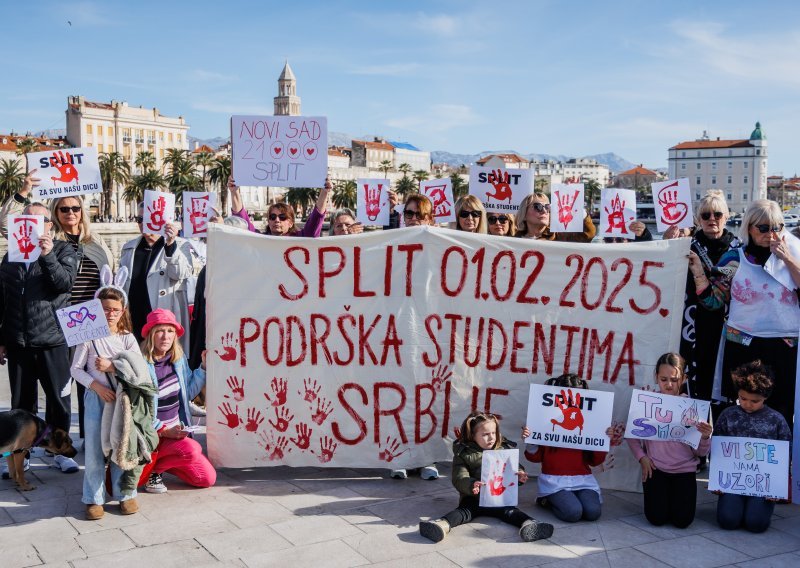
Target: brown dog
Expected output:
[19,432]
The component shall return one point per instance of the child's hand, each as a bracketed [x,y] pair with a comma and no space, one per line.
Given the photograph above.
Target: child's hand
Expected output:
[610,431]
[705,430]
[647,468]
[526,433]
[522,476]
[476,487]
[103,365]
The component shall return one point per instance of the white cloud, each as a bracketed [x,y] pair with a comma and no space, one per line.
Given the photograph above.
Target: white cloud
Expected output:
[437,24]
[391,69]
[437,118]
[205,76]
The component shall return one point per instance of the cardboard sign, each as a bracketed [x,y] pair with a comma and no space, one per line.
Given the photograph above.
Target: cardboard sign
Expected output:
[777,268]
[197,210]
[749,466]
[75,171]
[566,210]
[280,151]
[159,210]
[23,237]
[665,418]
[499,477]
[372,201]
[673,204]
[440,192]
[617,212]
[83,322]
[500,190]
[569,418]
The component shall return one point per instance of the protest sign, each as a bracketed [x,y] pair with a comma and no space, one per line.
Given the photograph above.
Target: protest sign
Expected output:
[326,374]
[73,171]
[749,466]
[569,418]
[159,210]
[778,269]
[500,190]
[23,237]
[567,211]
[372,201]
[499,478]
[673,203]
[796,441]
[280,151]
[197,210]
[655,416]
[617,212]
[83,322]
[440,192]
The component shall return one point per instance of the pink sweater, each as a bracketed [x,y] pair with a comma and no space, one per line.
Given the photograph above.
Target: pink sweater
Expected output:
[670,457]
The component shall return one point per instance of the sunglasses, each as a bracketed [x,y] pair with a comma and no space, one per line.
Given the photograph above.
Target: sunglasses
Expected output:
[541,207]
[764,228]
[281,216]
[502,219]
[74,209]
[707,215]
[410,214]
[474,214]
[139,219]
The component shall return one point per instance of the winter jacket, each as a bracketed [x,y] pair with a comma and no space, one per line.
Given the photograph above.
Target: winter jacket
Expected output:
[190,384]
[467,460]
[30,297]
[589,232]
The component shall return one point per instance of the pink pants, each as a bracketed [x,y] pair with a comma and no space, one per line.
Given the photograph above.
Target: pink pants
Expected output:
[184,459]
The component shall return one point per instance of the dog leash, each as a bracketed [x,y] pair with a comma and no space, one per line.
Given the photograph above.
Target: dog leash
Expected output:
[38,440]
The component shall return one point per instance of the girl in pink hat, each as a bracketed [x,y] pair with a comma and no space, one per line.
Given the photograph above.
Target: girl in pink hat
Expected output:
[177,453]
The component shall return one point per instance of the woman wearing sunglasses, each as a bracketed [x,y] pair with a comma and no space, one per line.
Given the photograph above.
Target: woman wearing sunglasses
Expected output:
[763,315]
[533,222]
[470,215]
[501,224]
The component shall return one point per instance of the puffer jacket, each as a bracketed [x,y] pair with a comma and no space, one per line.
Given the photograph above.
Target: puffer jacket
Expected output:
[467,459]
[30,297]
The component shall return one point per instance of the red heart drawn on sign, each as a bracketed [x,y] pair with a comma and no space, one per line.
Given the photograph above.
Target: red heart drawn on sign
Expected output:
[664,312]
[310,151]
[276,150]
[293,151]
[545,300]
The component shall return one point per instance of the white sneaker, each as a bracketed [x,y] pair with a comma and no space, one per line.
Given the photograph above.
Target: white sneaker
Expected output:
[399,474]
[155,484]
[429,472]
[4,473]
[196,410]
[67,465]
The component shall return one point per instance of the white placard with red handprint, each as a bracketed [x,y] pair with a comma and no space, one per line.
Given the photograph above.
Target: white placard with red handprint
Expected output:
[617,212]
[658,417]
[197,210]
[499,481]
[501,190]
[372,201]
[23,237]
[566,208]
[570,418]
[440,192]
[673,203]
[282,151]
[159,210]
[72,171]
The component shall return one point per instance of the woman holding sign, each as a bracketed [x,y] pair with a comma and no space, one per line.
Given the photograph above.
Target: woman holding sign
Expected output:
[533,222]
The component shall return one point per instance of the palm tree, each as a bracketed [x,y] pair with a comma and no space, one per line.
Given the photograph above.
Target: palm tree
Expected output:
[406,185]
[27,144]
[145,162]
[150,179]
[344,194]
[459,187]
[205,160]
[301,197]
[385,166]
[420,175]
[114,170]
[182,177]
[174,157]
[11,178]
[405,168]
[218,175]
[591,188]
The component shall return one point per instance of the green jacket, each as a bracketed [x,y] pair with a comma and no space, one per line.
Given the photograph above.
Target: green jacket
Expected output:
[467,460]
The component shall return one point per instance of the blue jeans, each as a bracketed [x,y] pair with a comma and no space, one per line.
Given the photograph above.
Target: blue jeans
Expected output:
[751,513]
[572,506]
[94,475]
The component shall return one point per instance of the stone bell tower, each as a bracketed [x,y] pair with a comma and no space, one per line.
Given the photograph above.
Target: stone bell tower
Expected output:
[287,103]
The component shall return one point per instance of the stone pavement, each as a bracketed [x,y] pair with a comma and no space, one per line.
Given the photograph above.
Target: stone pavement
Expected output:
[345,517]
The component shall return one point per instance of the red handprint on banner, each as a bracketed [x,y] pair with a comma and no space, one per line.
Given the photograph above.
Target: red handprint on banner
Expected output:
[231,416]
[616,217]
[439,377]
[565,205]
[570,408]
[441,205]
[254,420]
[278,387]
[64,165]
[198,213]
[157,211]
[495,483]
[324,408]
[229,345]
[24,236]
[372,199]
[303,439]
[282,419]
[237,389]
[274,448]
[501,182]
[326,449]
[388,451]
[311,390]
[672,210]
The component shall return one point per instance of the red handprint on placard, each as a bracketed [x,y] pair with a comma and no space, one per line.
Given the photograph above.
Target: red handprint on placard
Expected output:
[303,439]
[198,213]
[237,389]
[231,417]
[311,390]
[229,344]
[570,408]
[278,387]
[157,210]
[326,449]
[388,451]
[441,205]
[64,165]
[565,205]
[24,236]
[495,483]
[282,419]
[324,408]
[439,377]
[372,199]
[501,182]
[274,448]
[254,420]
[672,210]
[616,217]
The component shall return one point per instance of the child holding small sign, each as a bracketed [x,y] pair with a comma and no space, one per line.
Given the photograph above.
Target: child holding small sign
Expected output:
[750,419]
[669,469]
[480,432]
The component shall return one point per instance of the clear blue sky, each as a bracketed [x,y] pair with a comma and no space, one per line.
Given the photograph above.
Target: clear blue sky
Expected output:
[558,77]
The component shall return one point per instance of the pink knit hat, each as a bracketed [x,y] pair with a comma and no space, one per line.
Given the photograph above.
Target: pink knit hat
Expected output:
[161,317]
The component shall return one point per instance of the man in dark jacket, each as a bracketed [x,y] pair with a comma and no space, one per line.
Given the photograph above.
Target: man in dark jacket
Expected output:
[30,337]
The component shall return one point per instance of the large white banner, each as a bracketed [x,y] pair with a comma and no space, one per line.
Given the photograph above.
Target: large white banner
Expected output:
[749,466]
[73,171]
[367,350]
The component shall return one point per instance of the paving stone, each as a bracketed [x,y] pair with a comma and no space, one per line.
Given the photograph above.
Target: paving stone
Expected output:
[176,528]
[632,558]
[366,521]
[692,552]
[505,553]
[408,512]
[315,528]
[170,555]
[790,526]
[761,545]
[430,560]
[104,542]
[19,556]
[231,545]
[247,514]
[393,545]
[331,554]
[589,538]
[588,561]
[788,560]
[34,532]
[667,532]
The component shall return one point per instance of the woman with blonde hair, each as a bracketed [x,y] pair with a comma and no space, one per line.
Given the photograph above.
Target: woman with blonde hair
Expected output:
[501,224]
[470,215]
[533,222]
